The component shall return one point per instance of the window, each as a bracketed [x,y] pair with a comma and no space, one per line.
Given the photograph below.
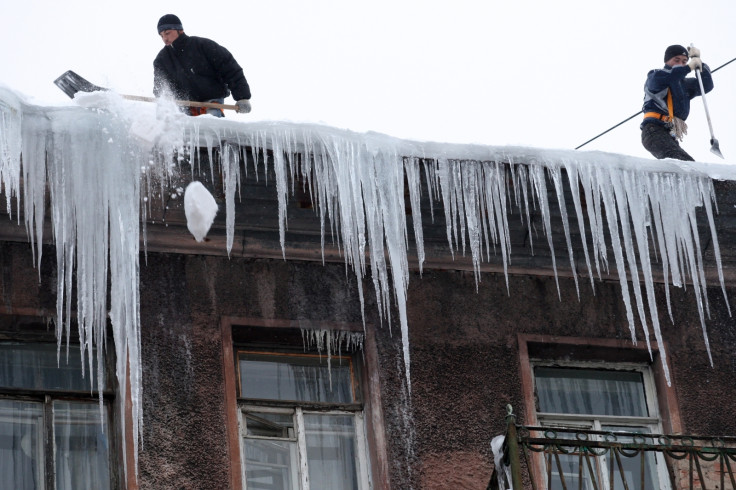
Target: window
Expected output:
[53,431]
[301,421]
[610,398]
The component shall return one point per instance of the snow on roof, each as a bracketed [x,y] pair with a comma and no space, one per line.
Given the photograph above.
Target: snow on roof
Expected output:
[89,156]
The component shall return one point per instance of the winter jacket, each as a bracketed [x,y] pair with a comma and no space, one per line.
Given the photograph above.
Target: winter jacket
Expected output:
[683,90]
[198,69]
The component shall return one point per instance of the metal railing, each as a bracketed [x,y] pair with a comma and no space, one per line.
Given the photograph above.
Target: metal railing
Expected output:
[555,458]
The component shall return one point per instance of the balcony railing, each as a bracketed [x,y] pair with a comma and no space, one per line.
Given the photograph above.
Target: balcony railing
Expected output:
[555,458]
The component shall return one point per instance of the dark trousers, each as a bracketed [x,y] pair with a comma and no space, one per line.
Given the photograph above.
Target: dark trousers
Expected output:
[658,141]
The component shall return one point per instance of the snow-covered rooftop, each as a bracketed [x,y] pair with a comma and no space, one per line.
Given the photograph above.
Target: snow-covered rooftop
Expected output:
[95,162]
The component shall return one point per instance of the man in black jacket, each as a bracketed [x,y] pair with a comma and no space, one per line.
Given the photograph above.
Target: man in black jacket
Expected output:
[197,69]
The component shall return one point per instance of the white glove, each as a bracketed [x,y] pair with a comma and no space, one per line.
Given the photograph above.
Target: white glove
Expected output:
[693,52]
[243,106]
[695,64]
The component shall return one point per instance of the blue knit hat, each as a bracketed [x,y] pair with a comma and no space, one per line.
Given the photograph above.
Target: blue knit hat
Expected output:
[169,21]
[675,50]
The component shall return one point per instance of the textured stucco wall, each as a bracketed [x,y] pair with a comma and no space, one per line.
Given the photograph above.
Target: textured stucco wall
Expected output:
[464,352]
[183,299]
[465,361]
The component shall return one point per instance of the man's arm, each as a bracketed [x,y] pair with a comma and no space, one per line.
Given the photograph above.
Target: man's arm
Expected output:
[229,69]
[661,79]
[693,87]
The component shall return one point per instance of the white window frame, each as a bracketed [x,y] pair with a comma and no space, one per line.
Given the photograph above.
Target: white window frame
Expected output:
[298,410]
[596,422]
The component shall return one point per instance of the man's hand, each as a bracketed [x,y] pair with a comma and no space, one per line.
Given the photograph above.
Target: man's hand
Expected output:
[695,64]
[243,106]
[693,52]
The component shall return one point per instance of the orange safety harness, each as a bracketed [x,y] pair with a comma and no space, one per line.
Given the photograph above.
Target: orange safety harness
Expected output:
[200,111]
[662,117]
[197,111]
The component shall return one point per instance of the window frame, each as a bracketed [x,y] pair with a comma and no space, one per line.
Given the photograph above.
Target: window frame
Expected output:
[299,408]
[650,393]
[298,413]
[596,353]
[365,364]
[355,369]
[652,422]
[35,331]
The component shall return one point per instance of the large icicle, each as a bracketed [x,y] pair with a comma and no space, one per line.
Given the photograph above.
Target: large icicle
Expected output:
[11,117]
[91,168]
[357,184]
[332,343]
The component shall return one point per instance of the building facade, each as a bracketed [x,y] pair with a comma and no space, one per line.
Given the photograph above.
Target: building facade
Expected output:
[272,367]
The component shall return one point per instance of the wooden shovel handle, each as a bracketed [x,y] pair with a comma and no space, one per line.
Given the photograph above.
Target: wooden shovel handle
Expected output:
[186,103]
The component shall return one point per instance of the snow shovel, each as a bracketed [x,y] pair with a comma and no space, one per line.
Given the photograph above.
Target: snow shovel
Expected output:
[714,148]
[70,83]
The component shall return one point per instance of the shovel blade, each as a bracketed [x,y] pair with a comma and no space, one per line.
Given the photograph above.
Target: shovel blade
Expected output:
[70,83]
[714,148]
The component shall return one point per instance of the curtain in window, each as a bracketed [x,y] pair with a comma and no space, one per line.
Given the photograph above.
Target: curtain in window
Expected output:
[81,454]
[21,445]
[632,466]
[331,452]
[589,391]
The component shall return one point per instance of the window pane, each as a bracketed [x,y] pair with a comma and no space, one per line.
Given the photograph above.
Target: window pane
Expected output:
[298,378]
[34,366]
[569,463]
[264,424]
[81,446]
[590,391]
[270,464]
[632,466]
[21,445]
[570,466]
[331,452]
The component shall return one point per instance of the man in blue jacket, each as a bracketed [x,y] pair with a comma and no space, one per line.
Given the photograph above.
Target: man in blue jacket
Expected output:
[197,69]
[667,95]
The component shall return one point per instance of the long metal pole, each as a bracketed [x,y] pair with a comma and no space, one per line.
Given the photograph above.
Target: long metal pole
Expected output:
[714,146]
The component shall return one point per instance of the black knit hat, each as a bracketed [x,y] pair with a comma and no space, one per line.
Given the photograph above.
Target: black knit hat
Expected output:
[674,50]
[169,21]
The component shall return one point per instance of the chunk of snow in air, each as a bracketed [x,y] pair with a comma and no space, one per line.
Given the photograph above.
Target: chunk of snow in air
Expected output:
[200,208]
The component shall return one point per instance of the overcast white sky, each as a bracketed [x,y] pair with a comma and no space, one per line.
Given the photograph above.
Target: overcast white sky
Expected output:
[541,73]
